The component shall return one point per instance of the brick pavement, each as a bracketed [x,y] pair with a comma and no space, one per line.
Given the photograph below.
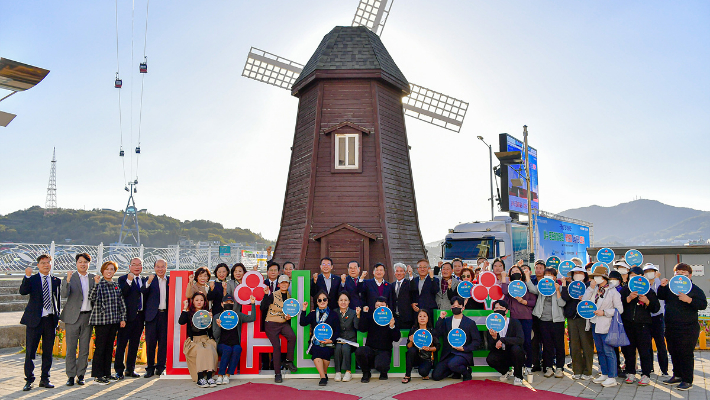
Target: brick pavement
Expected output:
[11,382]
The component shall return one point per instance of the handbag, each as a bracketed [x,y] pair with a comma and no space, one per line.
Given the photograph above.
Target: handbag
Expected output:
[617,335]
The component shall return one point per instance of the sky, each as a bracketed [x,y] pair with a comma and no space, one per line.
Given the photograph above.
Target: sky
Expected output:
[616,97]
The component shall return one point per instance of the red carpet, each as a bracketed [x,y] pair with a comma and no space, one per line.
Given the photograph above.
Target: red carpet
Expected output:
[482,390]
[265,391]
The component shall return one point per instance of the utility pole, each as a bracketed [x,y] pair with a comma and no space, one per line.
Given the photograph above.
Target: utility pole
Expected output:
[50,205]
[531,237]
[490,171]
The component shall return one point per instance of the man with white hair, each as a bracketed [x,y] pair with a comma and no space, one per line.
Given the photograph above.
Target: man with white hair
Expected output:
[129,336]
[402,301]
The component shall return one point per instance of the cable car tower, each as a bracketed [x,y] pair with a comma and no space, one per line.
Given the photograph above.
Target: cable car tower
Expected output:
[129,226]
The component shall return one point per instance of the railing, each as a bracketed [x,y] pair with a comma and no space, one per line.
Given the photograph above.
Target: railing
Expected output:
[15,257]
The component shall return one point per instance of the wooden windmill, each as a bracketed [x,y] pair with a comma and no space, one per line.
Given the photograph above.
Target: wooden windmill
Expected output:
[350,194]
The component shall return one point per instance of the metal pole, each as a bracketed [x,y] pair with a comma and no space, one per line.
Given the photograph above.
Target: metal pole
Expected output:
[531,238]
[490,175]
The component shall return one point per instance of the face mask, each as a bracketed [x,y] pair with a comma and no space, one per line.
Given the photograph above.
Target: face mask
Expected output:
[456,310]
[516,276]
[578,277]
[613,284]
[650,275]
[229,306]
[599,280]
[501,312]
[622,270]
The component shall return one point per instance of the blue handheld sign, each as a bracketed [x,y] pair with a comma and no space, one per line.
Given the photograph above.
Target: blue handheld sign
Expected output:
[553,262]
[601,264]
[576,289]
[634,258]
[291,307]
[517,289]
[457,337]
[422,338]
[566,267]
[680,284]
[382,316]
[201,319]
[639,284]
[464,289]
[228,319]
[322,332]
[605,255]
[586,309]
[546,286]
[495,321]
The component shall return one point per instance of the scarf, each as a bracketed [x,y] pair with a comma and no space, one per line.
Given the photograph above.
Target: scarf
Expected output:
[600,292]
[320,320]
[444,284]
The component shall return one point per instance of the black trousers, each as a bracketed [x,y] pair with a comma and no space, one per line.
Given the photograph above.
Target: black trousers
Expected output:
[451,364]
[658,331]
[553,343]
[156,334]
[105,336]
[681,344]
[639,339]
[131,336]
[413,360]
[369,358]
[46,331]
[502,360]
[536,341]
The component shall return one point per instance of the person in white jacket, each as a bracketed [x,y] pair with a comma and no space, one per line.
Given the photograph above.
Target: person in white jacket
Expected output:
[607,300]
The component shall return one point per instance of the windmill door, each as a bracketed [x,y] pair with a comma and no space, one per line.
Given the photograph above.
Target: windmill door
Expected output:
[343,244]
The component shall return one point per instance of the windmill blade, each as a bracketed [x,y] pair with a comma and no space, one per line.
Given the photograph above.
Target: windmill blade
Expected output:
[434,107]
[269,68]
[6,118]
[373,14]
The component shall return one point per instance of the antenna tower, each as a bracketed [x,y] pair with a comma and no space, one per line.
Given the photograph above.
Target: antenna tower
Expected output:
[50,206]
[129,227]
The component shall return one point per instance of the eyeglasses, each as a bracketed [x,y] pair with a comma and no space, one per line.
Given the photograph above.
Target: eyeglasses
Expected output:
[322,300]
[466,276]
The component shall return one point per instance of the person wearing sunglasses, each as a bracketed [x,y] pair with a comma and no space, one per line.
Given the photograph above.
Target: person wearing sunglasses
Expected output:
[321,351]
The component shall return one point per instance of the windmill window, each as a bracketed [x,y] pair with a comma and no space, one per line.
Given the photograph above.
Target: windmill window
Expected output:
[346,151]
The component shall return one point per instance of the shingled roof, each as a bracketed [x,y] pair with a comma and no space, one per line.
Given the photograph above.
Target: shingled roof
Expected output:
[353,48]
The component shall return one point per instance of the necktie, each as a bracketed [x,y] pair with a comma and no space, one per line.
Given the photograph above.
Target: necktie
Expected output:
[140,295]
[398,284]
[47,297]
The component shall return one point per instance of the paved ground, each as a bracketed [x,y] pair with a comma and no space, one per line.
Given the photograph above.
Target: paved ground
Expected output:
[11,382]
[10,318]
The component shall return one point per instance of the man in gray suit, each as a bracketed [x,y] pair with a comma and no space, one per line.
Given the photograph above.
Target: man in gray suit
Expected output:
[75,314]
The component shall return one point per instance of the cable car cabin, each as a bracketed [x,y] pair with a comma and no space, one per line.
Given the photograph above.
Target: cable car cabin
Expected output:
[121,153]
[144,67]
[118,83]
[138,150]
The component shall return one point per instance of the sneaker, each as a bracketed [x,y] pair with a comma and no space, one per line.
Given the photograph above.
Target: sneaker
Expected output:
[599,379]
[586,377]
[518,382]
[549,373]
[672,381]
[526,371]
[684,386]
[559,373]
[102,381]
[630,379]
[609,382]
[225,380]
[322,382]
[644,381]
[203,383]
[366,377]
[211,382]
[338,377]
[504,377]
[576,377]
[218,380]
[347,377]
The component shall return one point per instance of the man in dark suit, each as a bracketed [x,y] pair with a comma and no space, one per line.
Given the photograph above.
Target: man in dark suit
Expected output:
[40,317]
[456,360]
[326,282]
[506,347]
[371,289]
[401,297]
[424,288]
[155,292]
[130,335]
[349,283]
[75,315]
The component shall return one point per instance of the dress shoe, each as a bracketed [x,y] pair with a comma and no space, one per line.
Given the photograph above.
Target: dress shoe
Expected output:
[383,376]
[365,377]
[132,375]
[117,377]
[159,372]
[70,381]
[80,380]
[28,387]
[278,378]
[148,374]
[46,385]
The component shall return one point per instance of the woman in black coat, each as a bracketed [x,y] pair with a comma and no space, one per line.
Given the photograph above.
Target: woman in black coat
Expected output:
[424,357]
[321,351]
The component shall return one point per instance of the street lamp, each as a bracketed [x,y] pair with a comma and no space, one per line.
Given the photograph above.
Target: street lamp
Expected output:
[490,171]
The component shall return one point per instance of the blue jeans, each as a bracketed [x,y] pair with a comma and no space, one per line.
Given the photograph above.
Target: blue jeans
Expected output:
[229,358]
[605,354]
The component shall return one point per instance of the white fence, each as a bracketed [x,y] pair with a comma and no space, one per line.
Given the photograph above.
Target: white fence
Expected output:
[15,257]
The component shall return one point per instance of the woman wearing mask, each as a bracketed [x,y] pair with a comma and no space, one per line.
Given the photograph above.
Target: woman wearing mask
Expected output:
[623,269]
[521,308]
[581,341]
[424,357]
[616,281]
[658,326]
[228,340]
[349,322]
[549,310]
[199,348]
[467,274]
[608,301]
[321,351]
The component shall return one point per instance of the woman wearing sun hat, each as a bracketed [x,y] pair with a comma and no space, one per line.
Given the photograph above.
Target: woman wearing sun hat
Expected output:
[608,301]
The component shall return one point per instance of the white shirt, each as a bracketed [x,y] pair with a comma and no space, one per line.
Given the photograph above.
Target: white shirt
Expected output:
[85,304]
[46,280]
[379,283]
[398,285]
[328,282]
[456,322]
[163,283]
[138,282]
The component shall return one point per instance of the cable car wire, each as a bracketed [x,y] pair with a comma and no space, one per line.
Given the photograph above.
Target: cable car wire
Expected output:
[120,113]
[133,10]
[140,113]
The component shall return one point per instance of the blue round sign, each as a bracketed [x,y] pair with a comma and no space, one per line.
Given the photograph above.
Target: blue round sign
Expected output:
[228,319]
[605,255]
[546,286]
[586,309]
[553,262]
[495,321]
[422,338]
[634,258]
[601,264]
[464,289]
[457,337]
[576,289]
[517,288]
[201,319]
[382,316]
[291,307]
[322,332]
[639,284]
[680,284]
[566,267]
